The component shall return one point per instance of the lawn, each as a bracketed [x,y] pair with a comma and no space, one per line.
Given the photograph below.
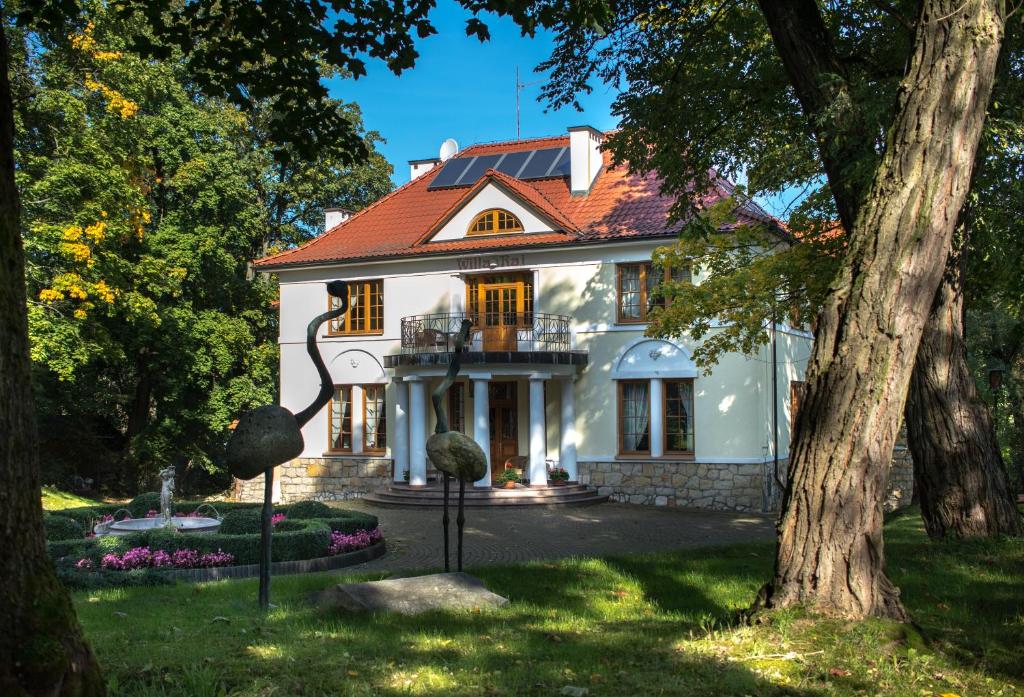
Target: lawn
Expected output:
[641,625]
[56,500]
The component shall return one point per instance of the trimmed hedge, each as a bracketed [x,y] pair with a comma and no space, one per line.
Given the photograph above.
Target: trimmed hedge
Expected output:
[295,538]
[144,503]
[246,521]
[309,509]
[309,542]
[60,527]
[351,521]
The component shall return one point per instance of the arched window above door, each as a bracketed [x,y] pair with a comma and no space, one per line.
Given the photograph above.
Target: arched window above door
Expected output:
[494,221]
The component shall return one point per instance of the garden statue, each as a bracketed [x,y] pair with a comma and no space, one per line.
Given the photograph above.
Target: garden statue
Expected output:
[271,435]
[166,489]
[454,454]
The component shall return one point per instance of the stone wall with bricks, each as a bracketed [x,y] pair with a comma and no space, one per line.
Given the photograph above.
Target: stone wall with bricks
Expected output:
[322,479]
[716,486]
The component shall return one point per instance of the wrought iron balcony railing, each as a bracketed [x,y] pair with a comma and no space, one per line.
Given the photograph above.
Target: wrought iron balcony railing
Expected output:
[492,331]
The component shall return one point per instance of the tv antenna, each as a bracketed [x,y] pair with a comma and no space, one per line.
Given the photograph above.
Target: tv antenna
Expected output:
[519,88]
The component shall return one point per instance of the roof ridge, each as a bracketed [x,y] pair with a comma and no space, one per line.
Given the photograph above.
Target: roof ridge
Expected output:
[491,144]
[358,214]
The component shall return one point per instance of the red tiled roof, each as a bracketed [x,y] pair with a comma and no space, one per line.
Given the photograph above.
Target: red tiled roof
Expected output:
[619,206]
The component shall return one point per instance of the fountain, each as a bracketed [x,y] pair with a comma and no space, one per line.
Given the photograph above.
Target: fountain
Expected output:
[167,519]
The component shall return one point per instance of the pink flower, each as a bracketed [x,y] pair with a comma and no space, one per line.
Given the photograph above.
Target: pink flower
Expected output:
[360,539]
[152,514]
[277,518]
[84,564]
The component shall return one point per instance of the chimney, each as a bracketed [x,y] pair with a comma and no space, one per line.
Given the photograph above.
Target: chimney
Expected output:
[335,216]
[585,158]
[420,167]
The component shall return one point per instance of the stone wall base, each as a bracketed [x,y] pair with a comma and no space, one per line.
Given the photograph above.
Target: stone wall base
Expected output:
[322,479]
[717,486]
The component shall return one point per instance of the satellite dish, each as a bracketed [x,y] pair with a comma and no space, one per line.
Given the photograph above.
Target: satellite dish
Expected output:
[448,149]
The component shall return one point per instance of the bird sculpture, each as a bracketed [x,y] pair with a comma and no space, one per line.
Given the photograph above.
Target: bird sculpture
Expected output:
[271,435]
[454,454]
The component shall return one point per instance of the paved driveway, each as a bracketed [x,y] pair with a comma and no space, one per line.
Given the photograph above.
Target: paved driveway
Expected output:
[504,535]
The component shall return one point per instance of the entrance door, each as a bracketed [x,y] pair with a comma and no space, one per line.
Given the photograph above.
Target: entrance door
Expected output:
[502,307]
[504,424]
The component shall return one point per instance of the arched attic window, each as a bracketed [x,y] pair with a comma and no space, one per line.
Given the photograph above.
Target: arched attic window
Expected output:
[495,220]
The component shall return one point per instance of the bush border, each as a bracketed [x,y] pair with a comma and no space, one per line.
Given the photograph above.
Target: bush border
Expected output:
[279,568]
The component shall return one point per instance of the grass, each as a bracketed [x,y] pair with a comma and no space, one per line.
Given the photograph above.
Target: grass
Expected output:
[55,500]
[640,625]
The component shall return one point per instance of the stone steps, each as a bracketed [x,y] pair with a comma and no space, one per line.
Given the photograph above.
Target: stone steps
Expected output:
[432,495]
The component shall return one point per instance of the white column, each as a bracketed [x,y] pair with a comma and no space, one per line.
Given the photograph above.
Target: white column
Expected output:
[357,419]
[657,418]
[538,447]
[567,430]
[482,422]
[417,432]
[400,427]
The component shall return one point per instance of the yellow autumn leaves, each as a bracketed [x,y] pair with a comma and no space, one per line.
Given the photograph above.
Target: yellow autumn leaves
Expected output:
[117,103]
[71,286]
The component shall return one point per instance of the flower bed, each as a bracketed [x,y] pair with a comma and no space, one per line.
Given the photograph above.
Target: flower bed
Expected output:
[152,556]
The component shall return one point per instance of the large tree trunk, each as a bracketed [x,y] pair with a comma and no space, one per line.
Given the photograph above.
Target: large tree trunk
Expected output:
[42,651]
[958,468]
[830,554]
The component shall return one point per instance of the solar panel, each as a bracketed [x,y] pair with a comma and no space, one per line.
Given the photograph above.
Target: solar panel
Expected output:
[540,163]
[450,173]
[513,162]
[477,168]
[562,164]
[526,164]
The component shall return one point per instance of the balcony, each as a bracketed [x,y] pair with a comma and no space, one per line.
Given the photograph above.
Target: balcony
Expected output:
[496,337]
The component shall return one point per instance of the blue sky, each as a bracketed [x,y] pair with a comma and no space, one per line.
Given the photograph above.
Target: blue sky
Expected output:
[463,89]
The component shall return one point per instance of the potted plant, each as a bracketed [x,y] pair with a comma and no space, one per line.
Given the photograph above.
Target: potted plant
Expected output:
[558,476]
[508,478]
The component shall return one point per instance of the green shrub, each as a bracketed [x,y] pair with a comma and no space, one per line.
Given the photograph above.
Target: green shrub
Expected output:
[61,527]
[245,521]
[71,549]
[351,521]
[310,509]
[307,543]
[144,503]
[86,517]
[287,525]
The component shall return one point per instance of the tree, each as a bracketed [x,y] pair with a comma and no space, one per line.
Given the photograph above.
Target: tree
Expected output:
[832,104]
[144,204]
[689,110]
[252,54]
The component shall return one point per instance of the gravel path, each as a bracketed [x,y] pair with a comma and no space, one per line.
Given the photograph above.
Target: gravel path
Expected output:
[507,535]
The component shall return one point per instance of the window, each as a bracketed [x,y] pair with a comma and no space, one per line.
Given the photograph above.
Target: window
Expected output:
[457,408]
[375,432]
[635,285]
[678,416]
[476,287]
[340,427]
[494,220]
[374,406]
[365,309]
[635,417]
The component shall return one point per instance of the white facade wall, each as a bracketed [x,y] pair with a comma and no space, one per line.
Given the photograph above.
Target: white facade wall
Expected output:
[732,404]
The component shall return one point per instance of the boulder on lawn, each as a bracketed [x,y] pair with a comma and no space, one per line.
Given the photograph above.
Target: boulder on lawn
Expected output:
[410,596]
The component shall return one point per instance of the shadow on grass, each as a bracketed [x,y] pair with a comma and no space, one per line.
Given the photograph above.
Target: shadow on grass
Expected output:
[580,622]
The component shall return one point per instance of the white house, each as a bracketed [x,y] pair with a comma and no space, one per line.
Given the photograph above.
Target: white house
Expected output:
[546,249]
